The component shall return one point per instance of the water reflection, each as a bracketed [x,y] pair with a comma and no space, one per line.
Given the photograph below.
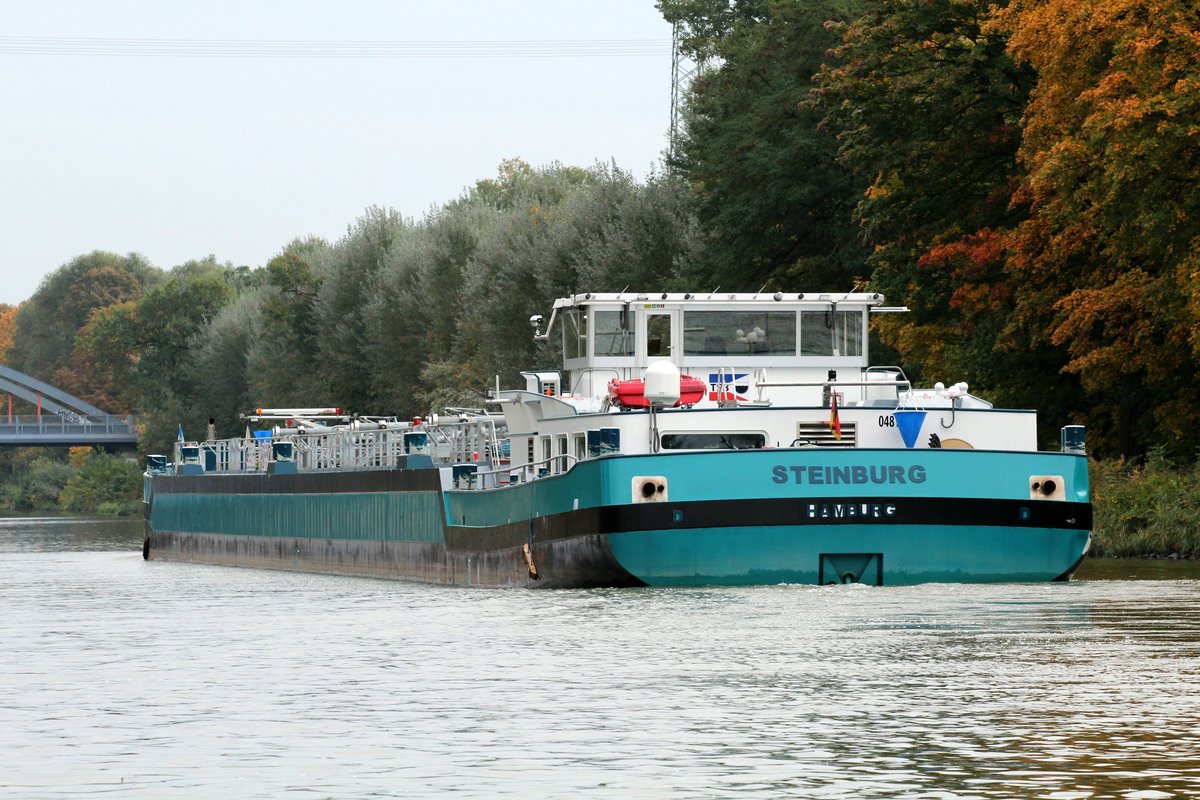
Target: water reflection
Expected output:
[59,533]
[145,679]
[1138,569]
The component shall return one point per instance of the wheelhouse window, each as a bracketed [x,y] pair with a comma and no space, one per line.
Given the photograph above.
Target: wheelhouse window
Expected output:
[658,335]
[713,441]
[575,333]
[831,333]
[612,334]
[720,333]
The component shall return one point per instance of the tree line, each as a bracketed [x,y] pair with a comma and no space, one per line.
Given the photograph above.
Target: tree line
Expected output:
[398,316]
[1024,175]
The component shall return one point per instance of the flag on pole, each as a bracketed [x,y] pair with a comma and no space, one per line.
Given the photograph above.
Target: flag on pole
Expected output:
[181,432]
[835,424]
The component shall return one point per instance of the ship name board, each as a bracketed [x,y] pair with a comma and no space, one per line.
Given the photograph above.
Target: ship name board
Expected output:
[858,474]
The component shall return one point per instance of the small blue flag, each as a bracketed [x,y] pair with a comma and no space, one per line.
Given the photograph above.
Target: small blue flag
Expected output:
[181,431]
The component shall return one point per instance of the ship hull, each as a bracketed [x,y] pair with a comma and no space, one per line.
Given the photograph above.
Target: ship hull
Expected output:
[721,518]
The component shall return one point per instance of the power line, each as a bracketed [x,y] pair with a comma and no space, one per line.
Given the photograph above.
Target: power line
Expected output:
[325,48]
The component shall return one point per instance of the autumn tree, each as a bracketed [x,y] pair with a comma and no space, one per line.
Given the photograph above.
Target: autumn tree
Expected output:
[48,322]
[1109,255]
[8,327]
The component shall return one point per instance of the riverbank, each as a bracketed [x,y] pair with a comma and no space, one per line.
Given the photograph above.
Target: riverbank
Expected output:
[1145,510]
[81,481]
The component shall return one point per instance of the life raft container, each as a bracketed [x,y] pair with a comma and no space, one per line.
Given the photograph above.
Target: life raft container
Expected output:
[632,393]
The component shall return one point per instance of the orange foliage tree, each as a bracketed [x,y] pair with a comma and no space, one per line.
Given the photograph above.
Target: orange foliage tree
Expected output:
[926,100]
[8,326]
[1108,256]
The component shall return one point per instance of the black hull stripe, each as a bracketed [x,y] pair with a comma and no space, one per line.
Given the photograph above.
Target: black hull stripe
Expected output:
[849,511]
[883,511]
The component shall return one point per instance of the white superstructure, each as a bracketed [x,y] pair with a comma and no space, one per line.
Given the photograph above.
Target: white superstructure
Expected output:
[772,365]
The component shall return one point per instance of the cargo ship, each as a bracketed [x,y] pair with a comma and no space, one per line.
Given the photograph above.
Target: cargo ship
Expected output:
[724,439]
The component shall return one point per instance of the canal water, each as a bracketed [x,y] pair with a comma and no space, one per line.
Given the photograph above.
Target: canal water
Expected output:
[125,678]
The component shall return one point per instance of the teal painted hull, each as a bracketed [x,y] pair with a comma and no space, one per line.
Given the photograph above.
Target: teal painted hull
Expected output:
[897,555]
[815,516]
[709,518]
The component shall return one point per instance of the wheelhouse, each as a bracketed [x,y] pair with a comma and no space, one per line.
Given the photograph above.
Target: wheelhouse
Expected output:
[606,336]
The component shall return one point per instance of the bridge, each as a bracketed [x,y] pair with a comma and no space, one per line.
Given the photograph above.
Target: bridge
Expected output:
[62,420]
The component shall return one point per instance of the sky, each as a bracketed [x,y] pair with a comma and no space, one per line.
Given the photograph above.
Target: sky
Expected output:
[107,145]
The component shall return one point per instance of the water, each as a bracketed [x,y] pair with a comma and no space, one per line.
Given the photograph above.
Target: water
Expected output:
[124,678]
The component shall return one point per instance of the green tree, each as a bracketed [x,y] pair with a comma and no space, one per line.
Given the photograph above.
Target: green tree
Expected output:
[105,358]
[414,311]
[36,485]
[351,268]
[106,484]
[170,314]
[283,357]
[531,253]
[220,356]
[926,104]
[162,331]
[772,200]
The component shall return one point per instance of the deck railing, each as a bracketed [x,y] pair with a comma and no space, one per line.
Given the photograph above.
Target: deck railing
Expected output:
[469,441]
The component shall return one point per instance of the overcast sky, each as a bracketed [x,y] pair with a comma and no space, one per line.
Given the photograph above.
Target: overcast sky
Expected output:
[181,157]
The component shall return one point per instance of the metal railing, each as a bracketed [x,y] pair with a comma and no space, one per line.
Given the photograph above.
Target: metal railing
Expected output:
[475,440]
[74,427]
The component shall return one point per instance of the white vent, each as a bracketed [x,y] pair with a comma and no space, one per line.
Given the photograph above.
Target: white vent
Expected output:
[818,433]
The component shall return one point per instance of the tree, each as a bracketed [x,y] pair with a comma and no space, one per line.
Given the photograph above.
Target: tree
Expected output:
[281,359]
[164,328]
[350,271]
[49,321]
[563,230]
[1108,255]
[773,203]
[170,314]
[8,327]
[105,358]
[105,484]
[220,357]
[926,103]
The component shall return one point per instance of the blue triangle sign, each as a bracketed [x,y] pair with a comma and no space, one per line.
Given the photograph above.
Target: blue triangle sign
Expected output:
[909,423]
